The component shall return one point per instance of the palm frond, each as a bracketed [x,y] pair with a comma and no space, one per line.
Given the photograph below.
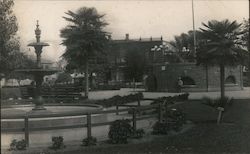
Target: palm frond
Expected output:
[221,43]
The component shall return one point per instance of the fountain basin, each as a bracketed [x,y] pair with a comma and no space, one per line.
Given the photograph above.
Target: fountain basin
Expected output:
[12,118]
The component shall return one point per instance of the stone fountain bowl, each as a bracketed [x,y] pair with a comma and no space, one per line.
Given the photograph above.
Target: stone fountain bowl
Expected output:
[54,117]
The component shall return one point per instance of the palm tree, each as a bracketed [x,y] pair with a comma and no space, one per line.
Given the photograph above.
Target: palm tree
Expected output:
[185,40]
[84,39]
[221,46]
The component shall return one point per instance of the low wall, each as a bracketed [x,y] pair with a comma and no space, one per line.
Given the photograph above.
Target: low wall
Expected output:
[164,77]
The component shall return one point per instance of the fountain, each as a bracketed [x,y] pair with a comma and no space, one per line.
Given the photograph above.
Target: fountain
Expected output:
[38,72]
[44,122]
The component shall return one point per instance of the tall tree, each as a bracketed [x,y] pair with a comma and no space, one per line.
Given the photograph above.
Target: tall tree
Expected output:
[185,41]
[245,36]
[84,38]
[135,62]
[246,42]
[221,45]
[9,44]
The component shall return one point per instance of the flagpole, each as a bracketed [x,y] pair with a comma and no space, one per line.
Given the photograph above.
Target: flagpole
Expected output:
[194,28]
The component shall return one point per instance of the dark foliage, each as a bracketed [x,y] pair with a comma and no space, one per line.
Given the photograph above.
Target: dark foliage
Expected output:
[135,62]
[119,100]
[171,99]
[186,41]
[85,40]
[219,102]
[18,145]
[177,118]
[139,133]
[174,120]
[221,45]
[89,141]
[161,128]
[63,77]
[120,131]
[57,143]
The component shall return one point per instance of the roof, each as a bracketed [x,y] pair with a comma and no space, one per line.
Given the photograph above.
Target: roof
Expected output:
[142,40]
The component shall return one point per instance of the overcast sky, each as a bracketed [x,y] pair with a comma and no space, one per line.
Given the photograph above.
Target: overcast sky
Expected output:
[138,18]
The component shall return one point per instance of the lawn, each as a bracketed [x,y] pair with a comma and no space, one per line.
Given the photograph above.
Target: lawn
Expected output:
[232,136]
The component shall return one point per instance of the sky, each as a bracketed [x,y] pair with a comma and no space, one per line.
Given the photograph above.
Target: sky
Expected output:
[143,18]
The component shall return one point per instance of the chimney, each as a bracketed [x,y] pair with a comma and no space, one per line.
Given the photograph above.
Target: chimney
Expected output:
[127,37]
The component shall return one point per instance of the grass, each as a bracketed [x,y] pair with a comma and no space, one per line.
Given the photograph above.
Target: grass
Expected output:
[232,136]
[205,137]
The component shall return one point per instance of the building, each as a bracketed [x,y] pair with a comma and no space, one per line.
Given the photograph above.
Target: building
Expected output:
[119,49]
[164,65]
[164,77]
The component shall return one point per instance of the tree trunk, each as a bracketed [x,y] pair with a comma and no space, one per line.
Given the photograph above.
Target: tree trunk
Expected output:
[134,84]
[86,78]
[207,77]
[222,81]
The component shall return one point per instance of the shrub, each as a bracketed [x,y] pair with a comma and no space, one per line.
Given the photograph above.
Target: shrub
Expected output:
[18,145]
[57,143]
[224,102]
[219,102]
[183,97]
[178,119]
[161,128]
[89,141]
[63,77]
[120,131]
[172,99]
[139,133]
[174,120]
[119,100]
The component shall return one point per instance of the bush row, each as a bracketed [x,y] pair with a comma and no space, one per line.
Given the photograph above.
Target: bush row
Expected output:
[119,100]
[119,132]
[172,99]
[218,102]
[174,120]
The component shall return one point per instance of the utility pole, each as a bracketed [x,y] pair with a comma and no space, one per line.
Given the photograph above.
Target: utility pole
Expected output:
[249,40]
[194,52]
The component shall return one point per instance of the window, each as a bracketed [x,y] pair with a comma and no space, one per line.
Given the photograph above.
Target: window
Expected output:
[187,80]
[230,80]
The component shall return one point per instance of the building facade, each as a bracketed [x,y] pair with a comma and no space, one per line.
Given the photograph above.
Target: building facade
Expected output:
[164,65]
[119,49]
[164,77]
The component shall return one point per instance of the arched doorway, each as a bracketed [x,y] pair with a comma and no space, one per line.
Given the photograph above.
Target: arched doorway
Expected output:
[187,81]
[230,80]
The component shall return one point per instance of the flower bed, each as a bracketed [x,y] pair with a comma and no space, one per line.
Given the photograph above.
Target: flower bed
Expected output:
[119,100]
[172,99]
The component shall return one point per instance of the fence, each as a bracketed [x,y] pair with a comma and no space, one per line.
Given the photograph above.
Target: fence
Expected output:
[89,125]
[134,109]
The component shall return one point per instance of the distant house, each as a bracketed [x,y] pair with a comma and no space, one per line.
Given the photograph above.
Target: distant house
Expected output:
[148,47]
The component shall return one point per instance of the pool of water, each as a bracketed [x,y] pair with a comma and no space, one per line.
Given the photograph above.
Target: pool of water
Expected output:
[22,110]
[48,122]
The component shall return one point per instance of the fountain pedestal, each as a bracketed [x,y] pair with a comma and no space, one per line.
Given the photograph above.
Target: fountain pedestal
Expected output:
[38,72]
